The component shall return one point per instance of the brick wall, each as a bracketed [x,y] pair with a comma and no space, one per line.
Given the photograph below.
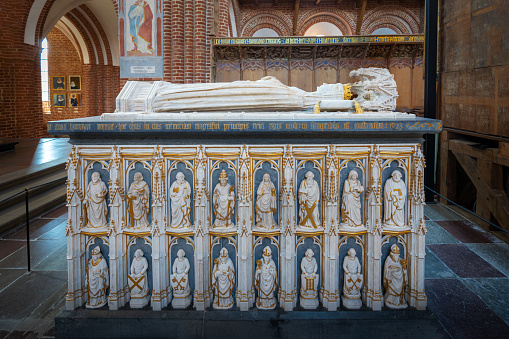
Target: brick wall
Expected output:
[475,66]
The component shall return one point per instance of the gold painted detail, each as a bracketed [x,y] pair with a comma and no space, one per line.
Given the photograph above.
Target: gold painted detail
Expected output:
[347,88]
[358,108]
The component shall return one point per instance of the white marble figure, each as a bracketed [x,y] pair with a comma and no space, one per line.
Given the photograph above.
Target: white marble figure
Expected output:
[179,281]
[138,280]
[266,203]
[224,202]
[95,209]
[138,201]
[98,279]
[394,201]
[352,282]
[266,280]
[376,90]
[180,196]
[395,279]
[309,281]
[309,197]
[351,217]
[223,281]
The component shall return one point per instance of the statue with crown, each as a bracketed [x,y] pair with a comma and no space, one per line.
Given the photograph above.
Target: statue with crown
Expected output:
[223,202]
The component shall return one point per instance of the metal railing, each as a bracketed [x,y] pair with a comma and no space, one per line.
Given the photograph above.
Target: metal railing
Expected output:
[27,212]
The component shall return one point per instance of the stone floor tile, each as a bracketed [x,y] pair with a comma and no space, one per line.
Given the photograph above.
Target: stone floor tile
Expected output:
[8,276]
[39,250]
[496,254]
[55,262]
[461,312]
[436,269]
[21,299]
[7,247]
[57,232]
[440,212]
[38,227]
[437,235]
[491,291]
[57,213]
[465,263]
[466,232]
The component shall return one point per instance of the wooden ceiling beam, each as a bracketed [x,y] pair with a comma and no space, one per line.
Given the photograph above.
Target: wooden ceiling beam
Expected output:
[361,16]
[296,16]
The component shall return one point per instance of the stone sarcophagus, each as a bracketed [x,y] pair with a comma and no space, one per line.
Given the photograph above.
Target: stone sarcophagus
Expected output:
[292,211]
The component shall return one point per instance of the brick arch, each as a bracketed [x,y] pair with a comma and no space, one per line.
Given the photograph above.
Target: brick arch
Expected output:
[336,20]
[393,17]
[265,21]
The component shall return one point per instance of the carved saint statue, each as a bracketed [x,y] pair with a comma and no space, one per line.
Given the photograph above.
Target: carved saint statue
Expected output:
[224,202]
[138,281]
[309,197]
[138,201]
[266,203]
[394,201]
[98,278]
[266,280]
[353,280]
[95,202]
[395,279]
[179,281]
[351,201]
[180,193]
[309,281]
[223,281]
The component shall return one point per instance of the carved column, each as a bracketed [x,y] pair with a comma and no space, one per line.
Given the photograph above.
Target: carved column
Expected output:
[330,292]
[416,240]
[202,292]
[288,288]
[372,293]
[76,290]
[245,287]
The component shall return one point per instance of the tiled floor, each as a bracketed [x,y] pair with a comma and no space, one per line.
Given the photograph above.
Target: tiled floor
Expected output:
[466,277]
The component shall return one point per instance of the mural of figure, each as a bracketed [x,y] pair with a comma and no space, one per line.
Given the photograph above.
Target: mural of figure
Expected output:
[309,281]
[266,203]
[395,279]
[309,197]
[138,196]
[394,200]
[224,202]
[353,280]
[223,281]
[95,208]
[266,280]
[351,201]
[98,278]
[140,26]
[180,196]
[138,281]
[179,281]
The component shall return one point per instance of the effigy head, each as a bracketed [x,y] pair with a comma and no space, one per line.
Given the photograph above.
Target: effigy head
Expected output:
[267,252]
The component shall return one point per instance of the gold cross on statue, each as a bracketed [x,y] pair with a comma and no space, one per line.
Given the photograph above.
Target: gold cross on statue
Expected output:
[309,215]
[136,282]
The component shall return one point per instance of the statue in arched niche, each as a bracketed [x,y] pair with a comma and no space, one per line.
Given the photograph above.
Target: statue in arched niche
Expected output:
[394,201]
[138,201]
[179,281]
[309,281]
[223,281]
[352,281]
[395,279]
[95,208]
[351,202]
[266,203]
[138,280]
[180,197]
[223,200]
[309,198]
[98,279]
[266,280]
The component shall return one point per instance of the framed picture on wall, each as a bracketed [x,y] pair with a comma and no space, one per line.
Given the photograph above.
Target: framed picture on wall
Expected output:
[75,100]
[59,100]
[75,83]
[59,83]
